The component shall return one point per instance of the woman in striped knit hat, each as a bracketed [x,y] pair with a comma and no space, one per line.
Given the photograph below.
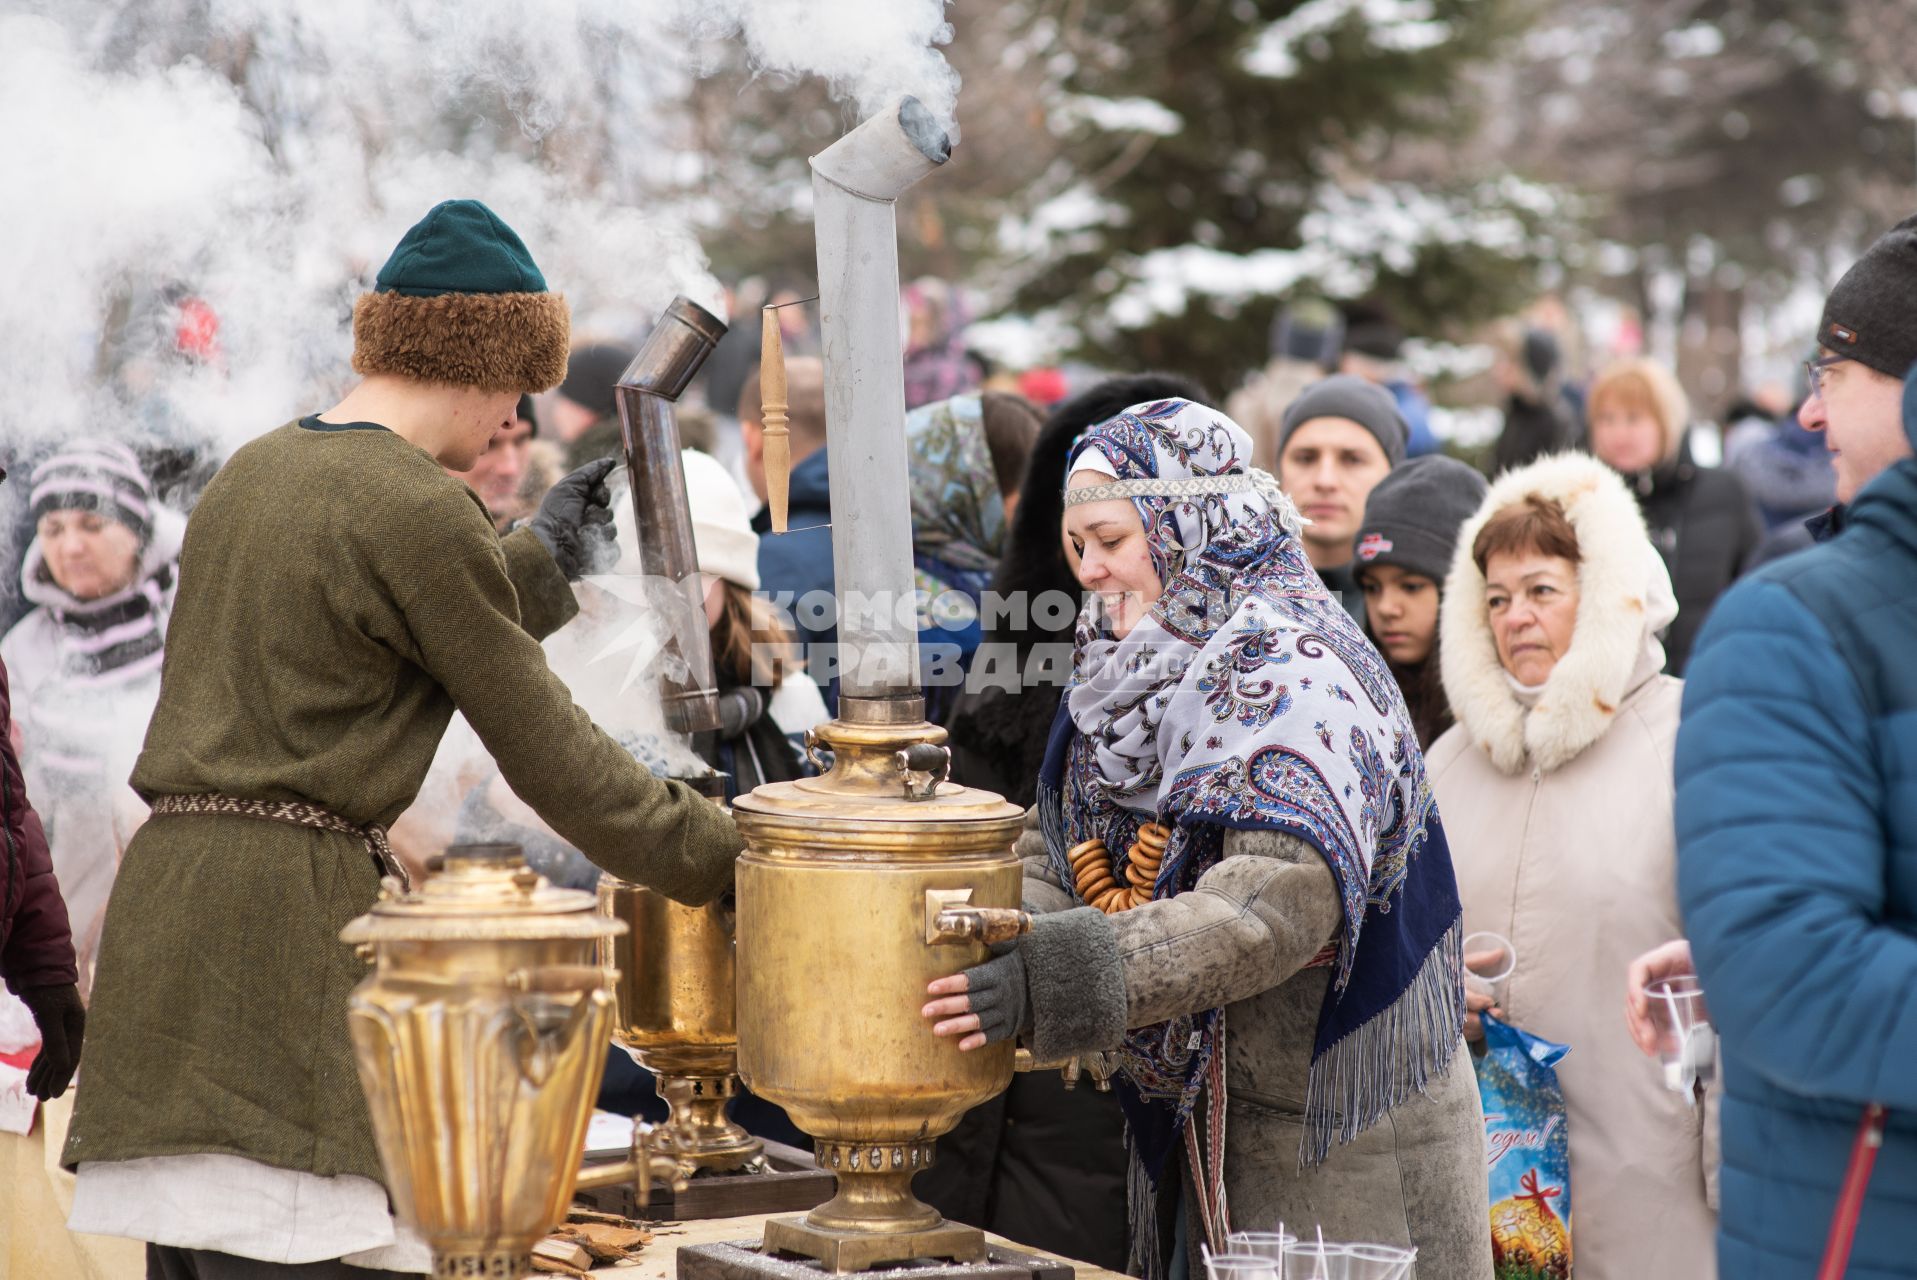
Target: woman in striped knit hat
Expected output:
[85,662]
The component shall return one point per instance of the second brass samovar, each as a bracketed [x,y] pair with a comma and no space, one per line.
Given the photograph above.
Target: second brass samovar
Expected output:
[676,1018]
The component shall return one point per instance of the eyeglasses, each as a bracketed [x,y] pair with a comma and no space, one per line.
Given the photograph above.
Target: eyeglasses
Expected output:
[1814,371]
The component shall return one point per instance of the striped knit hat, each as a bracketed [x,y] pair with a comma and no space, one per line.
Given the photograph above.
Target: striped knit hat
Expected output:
[95,475]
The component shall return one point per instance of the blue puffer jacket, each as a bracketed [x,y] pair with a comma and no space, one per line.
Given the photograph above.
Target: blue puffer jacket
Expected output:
[1797,875]
[799,563]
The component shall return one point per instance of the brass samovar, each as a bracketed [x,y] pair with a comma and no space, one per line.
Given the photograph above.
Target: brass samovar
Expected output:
[481,1039]
[859,887]
[675,990]
[675,1016]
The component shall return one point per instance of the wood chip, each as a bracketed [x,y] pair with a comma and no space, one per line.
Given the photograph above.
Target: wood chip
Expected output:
[550,1267]
[565,1252]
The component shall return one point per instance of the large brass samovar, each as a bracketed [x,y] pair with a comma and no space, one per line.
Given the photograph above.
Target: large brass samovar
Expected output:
[481,1039]
[859,887]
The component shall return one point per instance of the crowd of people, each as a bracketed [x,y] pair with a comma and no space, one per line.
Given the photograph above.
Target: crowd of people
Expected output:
[1295,701]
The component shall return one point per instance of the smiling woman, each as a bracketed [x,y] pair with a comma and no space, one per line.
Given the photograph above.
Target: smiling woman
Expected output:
[1556,790]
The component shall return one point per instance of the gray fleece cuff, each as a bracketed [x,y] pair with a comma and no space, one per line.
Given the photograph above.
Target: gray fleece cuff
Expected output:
[1076,983]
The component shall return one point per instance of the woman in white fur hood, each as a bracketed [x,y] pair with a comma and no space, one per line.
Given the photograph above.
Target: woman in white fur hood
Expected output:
[1555,786]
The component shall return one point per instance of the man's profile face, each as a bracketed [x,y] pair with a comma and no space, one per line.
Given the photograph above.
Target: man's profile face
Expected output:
[1861,413]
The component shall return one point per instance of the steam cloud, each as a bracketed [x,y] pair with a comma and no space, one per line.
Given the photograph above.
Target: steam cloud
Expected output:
[263,156]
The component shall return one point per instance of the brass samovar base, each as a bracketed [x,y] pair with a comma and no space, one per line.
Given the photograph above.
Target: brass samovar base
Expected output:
[493,1264]
[700,1133]
[844,1251]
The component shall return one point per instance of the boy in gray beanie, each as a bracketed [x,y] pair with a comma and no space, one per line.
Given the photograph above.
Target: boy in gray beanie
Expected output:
[1404,551]
[1340,437]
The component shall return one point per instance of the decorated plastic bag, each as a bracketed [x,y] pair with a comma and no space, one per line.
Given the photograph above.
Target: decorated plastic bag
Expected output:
[1527,1154]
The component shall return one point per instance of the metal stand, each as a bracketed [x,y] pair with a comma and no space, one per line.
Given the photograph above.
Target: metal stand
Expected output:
[744,1260]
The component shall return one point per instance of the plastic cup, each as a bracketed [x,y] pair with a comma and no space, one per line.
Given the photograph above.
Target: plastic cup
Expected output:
[1378,1262]
[1242,1266]
[1316,1260]
[1262,1244]
[1686,1041]
[1492,979]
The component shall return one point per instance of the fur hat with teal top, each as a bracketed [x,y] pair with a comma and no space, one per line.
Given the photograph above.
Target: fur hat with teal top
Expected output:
[461,302]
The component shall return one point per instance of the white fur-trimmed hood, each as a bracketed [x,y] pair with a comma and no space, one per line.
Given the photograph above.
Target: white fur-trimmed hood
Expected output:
[1625,599]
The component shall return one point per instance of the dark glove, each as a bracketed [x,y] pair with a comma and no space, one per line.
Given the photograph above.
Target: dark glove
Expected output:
[739,710]
[62,1020]
[999,994]
[575,520]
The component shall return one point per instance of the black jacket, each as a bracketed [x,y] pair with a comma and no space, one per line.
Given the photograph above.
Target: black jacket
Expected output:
[1703,523]
[1532,429]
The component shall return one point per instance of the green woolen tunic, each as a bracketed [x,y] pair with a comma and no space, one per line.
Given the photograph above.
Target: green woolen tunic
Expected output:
[339,597]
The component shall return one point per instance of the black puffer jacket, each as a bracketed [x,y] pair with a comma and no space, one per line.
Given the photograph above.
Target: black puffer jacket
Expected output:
[1705,525]
[36,946]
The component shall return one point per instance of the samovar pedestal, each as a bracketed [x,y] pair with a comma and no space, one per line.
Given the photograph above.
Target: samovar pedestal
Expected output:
[699,1132]
[874,1219]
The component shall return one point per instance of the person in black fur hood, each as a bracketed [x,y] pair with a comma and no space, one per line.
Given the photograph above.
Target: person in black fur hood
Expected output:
[1037,1164]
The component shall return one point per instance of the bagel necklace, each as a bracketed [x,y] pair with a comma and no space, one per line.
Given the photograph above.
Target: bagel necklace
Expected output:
[1099,885]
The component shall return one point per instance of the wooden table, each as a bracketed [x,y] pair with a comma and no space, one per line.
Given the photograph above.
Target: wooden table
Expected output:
[660,1261]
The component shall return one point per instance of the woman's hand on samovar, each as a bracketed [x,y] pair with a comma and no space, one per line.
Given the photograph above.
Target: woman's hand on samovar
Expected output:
[984,1004]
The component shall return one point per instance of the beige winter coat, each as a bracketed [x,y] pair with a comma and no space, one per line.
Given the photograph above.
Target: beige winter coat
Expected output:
[1559,821]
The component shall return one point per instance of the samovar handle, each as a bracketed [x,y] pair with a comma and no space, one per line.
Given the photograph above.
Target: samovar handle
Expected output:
[923,765]
[545,1023]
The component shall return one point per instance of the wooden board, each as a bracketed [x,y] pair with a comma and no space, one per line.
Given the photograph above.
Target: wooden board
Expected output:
[794,1184]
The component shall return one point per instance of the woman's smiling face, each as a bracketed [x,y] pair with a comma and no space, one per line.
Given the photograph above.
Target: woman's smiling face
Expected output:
[1113,558]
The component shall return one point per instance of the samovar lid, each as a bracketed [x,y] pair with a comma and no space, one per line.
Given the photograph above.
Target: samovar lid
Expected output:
[478,893]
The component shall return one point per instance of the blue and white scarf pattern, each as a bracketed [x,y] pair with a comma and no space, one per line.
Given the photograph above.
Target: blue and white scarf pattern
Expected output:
[1248,699]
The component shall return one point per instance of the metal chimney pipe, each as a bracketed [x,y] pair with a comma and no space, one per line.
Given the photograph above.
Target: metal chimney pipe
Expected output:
[646,391]
[856,183]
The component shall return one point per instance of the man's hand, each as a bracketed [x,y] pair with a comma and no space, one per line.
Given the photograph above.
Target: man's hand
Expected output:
[1668,961]
[575,519]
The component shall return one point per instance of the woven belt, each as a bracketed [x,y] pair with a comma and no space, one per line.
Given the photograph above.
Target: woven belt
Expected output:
[295,813]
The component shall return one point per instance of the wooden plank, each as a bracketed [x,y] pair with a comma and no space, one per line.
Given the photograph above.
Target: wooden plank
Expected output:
[794,1184]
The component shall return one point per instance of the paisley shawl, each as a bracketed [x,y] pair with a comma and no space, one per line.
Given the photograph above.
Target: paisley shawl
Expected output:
[1247,699]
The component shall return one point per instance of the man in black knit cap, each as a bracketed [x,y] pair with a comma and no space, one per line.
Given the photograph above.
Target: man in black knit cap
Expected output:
[1867,343]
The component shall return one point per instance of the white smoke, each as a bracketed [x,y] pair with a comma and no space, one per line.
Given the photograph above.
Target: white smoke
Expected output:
[263,156]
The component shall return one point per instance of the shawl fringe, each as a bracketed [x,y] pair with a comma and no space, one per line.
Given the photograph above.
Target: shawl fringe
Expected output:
[1396,1054]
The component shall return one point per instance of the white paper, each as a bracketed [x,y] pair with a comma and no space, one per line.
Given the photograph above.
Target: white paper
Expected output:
[608,1135]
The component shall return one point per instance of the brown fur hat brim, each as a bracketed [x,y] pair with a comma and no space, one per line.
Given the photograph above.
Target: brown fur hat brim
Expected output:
[494,341]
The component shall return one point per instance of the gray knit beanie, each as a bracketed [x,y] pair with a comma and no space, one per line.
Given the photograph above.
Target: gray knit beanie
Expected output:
[1413,515]
[1871,316]
[1345,395]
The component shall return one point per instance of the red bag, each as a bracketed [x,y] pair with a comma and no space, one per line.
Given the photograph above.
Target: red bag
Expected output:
[1850,1197]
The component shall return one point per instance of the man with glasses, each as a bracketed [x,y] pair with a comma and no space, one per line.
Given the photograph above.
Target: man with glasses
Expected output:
[1796,821]
[1868,342]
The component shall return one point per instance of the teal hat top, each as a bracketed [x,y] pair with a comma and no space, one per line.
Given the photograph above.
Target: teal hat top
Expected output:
[460,246]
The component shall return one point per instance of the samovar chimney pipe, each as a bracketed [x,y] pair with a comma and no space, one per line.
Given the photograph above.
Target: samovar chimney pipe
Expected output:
[856,183]
[646,391]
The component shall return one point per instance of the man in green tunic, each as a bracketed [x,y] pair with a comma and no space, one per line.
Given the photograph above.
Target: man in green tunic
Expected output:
[340,596]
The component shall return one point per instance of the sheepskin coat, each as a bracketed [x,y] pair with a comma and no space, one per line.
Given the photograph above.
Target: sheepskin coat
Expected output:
[1559,816]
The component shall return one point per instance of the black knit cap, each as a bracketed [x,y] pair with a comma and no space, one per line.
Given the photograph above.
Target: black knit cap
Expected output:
[1345,395]
[591,374]
[1413,515]
[1871,316]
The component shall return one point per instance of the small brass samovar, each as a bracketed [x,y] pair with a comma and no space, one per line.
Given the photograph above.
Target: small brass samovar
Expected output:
[675,1016]
[481,1039]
